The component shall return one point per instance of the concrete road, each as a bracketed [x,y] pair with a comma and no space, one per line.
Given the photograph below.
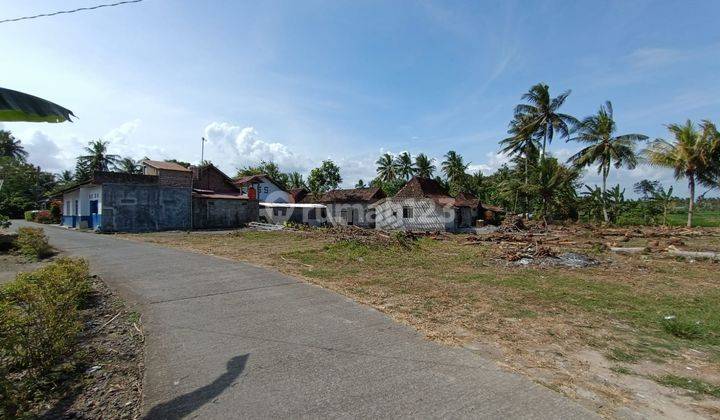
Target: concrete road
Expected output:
[230,340]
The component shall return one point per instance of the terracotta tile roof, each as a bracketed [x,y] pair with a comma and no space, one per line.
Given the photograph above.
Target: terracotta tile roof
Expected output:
[355,195]
[168,166]
[429,188]
[419,187]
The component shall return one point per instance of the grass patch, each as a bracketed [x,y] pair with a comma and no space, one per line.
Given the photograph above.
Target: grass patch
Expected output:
[622,370]
[620,355]
[685,329]
[694,385]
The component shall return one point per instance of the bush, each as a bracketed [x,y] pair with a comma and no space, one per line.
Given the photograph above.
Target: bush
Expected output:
[4,221]
[39,325]
[56,211]
[44,216]
[32,243]
[30,215]
[683,328]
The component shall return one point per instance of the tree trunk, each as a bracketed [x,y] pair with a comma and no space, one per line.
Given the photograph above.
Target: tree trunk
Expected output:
[525,193]
[691,185]
[604,188]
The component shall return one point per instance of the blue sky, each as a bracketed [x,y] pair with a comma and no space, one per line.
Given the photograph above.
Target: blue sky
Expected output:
[298,82]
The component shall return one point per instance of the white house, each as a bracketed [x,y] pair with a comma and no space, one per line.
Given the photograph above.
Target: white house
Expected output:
[263,188]
[422,205]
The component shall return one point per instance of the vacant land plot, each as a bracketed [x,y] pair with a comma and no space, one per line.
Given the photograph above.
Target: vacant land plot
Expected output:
[637,332]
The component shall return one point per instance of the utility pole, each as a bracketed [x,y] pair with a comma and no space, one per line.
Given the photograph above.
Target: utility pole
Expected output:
[202,151]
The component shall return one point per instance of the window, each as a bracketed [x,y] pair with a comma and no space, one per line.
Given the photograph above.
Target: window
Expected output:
[67,208]
[343,214]
[407,212]
[278,211]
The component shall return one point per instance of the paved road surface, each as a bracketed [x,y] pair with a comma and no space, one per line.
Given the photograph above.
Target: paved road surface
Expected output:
[229,340]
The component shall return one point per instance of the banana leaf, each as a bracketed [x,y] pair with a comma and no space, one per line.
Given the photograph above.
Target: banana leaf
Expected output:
[18,106]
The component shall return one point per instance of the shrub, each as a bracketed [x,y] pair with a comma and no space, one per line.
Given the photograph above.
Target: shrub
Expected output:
[682,328]
[39,325]
[32,243]
[43,216]
[29,215]
[56,211]
[4,221]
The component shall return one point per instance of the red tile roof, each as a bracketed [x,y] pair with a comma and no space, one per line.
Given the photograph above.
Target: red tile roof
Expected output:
[355,195]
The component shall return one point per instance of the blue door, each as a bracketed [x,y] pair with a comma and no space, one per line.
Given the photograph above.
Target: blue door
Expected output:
[93,213]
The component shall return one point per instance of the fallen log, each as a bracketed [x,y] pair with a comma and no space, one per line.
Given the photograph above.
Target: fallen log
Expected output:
[694,254]
[628,250]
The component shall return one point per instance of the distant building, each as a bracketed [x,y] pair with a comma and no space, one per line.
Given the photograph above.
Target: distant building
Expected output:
[351,207]
[162,198]
[263,188]
[422,205]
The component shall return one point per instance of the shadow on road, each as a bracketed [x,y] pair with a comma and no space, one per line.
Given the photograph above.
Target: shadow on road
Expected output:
[185,404]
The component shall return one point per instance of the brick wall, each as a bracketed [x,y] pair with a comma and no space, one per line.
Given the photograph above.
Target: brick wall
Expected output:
[174,178]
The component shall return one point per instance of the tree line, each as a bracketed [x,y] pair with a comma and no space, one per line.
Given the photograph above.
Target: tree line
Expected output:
[534,182]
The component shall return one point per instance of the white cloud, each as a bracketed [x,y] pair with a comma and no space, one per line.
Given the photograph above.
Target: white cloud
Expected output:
[230,146]
[492,163]
[648,58]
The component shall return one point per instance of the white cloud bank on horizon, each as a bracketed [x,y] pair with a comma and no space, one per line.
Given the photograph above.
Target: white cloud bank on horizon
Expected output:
[230,146]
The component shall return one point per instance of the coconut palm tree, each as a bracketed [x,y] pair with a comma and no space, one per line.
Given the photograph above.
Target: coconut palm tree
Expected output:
[11,147]
[129,166]
[295,180]
[404,166]
[386,167]
[540,115]
[690,156]
[97,157]
[605,149]
[66,177]
[454,167]
[360,184]
[522,144]
[424,165]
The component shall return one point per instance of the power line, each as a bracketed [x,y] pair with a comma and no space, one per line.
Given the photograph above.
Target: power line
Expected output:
[62,12]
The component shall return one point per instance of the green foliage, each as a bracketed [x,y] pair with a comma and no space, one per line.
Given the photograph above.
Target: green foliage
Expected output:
[684,328]
[424,166]
[39,326]
[360,184]
[269,169]
[694,154]
[386,168]
[690,384]
[325,178]
[11,147]
[23,186]
[32,243]
[390,188]
[295,180]
[96,158]
[29,215]
[129,166]
[404,166]
[56,211]
[4,221]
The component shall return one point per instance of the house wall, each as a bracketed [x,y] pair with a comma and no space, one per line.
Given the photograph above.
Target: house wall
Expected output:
[144,207]
[70,217]
[427,215]
[268,192]
[174,178]
[361,215]
[211,179]
[222,213]
[303,215]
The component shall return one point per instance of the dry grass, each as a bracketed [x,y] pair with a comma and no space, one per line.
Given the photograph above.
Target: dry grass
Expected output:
[598,334]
